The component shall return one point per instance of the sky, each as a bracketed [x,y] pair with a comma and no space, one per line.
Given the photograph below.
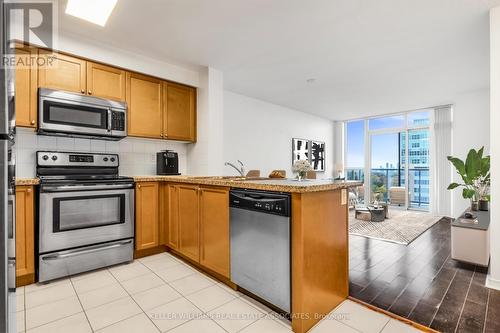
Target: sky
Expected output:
[384,146]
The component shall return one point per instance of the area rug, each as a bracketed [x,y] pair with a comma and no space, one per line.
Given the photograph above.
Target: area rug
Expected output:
[401,227]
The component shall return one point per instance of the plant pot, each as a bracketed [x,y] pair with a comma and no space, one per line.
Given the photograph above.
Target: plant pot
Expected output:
[484,205]
[474,206]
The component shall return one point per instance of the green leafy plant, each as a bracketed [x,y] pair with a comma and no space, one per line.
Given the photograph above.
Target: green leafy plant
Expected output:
[475,174]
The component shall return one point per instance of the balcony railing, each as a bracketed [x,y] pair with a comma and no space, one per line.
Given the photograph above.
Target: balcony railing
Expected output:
[390,177]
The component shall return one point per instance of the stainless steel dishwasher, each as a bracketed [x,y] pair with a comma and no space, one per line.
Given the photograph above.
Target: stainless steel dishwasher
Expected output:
[260,244]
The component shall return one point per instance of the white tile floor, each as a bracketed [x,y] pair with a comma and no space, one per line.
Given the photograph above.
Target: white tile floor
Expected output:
[161,293]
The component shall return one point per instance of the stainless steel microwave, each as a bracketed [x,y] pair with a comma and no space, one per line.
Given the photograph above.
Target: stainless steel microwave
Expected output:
[70,114]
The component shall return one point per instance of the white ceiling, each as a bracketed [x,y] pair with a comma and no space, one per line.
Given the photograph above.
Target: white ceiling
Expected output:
[368,56]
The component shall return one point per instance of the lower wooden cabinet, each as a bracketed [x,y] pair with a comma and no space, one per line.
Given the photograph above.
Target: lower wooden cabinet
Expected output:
[214,229]
[146,215]
[25,235]
[188,219]
[198,224]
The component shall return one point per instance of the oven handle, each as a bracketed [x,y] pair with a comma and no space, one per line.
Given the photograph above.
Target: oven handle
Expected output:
[109,120]
[69,188]
[77,252]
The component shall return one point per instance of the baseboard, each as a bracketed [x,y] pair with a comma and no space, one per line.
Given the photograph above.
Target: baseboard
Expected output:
[492,283]
[24,280]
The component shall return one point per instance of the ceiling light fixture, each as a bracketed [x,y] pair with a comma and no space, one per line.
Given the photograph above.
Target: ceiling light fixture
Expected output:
[95,11]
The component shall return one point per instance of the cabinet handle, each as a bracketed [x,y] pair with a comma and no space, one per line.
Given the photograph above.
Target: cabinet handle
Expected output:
[83,91]
[161,135]
[32,122]
[90,92]
[138,185]
[28,190]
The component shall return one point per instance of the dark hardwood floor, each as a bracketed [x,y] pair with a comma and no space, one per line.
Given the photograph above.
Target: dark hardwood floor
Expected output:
[421,282]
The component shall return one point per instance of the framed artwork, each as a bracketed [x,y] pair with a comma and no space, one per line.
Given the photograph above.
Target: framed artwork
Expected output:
[317,155]
[312,151]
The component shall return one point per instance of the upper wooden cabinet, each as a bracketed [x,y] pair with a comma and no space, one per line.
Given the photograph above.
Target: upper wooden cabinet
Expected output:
[26,87]
[146,215]
[214,227]
[105,81]
[64,72]
[144,106]
[25,235]
[179,120]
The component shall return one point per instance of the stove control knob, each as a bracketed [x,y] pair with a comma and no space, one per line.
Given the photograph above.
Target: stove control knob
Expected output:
[105,159]
[45,157]
[112,159]
[54,158]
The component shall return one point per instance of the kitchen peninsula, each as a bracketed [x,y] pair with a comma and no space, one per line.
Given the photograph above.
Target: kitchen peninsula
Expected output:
[319,236]
[189,216]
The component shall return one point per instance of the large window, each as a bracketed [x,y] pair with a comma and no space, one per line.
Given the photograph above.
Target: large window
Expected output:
[398,158]
[355,150]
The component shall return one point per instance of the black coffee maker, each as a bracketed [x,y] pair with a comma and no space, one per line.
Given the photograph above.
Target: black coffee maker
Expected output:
[167,163]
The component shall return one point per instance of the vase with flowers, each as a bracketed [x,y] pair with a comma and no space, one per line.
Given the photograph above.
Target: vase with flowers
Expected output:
[301,167]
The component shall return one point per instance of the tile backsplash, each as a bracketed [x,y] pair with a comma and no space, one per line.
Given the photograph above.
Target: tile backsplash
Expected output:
[137,155]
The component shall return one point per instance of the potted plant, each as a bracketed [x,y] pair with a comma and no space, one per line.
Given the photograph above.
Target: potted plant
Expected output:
[378,194]
[475,174]
[301,167]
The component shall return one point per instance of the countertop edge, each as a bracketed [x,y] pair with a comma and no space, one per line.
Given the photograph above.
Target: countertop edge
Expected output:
[306,188]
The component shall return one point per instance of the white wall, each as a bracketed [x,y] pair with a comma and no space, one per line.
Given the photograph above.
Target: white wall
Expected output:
[470,128]
[205,156]
[494,275]
[137,156]
[260,134]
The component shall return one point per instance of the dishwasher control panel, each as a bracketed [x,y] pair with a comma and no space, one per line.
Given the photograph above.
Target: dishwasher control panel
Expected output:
[266,202]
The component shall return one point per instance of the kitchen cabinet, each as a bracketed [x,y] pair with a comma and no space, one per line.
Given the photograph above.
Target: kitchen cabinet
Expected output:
[188,219]
[62,72]
[214,227]
[105,81]
[173,217]
[25,235]
[179,119]
[144,97]
[198,224]
[146,215]
[26,86]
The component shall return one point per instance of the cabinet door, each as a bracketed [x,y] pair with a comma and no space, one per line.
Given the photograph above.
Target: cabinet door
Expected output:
[26,87]
[179,109]
[146,215]
[25,235]
[189,240]
[163,206]
[62,72]
[173,217]
[144,106]
[105,81]
[214,226]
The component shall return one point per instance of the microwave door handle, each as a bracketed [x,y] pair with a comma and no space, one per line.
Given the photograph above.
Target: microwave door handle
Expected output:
[109,120]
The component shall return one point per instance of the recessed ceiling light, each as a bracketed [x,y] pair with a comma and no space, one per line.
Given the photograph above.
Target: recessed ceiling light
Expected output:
[95,11]
[311,80]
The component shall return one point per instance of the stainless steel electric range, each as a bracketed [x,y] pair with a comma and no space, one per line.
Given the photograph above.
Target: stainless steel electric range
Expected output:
[86,213]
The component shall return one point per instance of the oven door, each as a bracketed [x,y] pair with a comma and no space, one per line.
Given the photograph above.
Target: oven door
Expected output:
[66,116]
[78,215]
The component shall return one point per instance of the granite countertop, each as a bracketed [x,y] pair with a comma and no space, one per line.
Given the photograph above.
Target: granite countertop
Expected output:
[27,181]
[266,184]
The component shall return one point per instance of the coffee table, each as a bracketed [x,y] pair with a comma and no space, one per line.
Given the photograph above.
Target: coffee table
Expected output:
[377,214]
